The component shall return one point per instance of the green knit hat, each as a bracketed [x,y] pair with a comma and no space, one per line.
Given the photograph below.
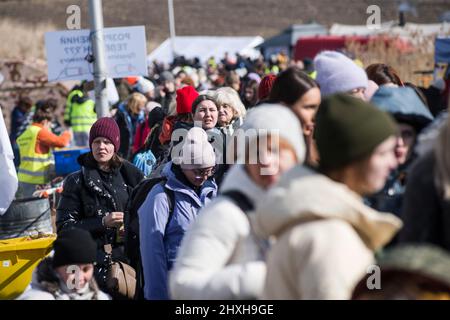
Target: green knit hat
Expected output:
[426,259]
[348,129]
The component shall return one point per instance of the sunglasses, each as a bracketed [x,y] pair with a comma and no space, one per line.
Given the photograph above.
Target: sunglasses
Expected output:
[204,172]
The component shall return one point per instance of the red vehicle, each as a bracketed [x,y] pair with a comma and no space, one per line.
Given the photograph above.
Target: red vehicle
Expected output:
[309,47]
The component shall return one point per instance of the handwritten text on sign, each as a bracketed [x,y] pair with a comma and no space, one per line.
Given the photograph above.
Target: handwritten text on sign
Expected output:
[125,53]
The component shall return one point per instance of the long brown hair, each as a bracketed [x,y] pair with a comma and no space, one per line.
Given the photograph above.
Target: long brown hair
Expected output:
[382,74]
[290,85]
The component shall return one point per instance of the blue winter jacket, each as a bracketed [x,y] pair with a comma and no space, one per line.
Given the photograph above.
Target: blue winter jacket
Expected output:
[158,244]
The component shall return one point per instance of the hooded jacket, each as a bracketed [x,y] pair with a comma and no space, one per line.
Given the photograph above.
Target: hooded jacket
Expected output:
[406,107]
[160,237]
[326,237]
[220,257]
[47,285]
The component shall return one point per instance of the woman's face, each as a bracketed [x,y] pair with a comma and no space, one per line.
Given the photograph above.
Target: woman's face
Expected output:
[405,142]
[141,107]
[76,276]
[373,173]
[198,176]
[137,108]
[306,108]
[249,94]
[271,163]
[226,114]
[206,112]
[102,150]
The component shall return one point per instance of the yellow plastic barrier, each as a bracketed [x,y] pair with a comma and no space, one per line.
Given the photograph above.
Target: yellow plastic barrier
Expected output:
[18,259]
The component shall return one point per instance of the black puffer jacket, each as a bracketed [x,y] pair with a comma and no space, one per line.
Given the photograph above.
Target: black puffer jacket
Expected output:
[89,195]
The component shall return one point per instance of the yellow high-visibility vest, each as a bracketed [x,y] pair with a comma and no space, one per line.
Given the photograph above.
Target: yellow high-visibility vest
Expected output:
[34,167]
[68,109]
[83,116]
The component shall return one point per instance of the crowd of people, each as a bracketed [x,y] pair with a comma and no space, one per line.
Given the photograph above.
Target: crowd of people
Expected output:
[247,180]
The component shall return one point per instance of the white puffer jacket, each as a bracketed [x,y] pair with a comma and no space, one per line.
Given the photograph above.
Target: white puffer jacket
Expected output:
[219,257]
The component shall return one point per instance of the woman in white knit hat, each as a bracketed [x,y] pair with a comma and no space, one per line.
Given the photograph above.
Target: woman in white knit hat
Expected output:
[170,208]
[220,257]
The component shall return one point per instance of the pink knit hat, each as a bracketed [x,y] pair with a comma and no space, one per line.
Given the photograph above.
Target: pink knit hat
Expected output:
[197,152]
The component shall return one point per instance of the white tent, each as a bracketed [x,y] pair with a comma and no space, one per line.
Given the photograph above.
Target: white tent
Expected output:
[204,47]
[338,29]
[441,29]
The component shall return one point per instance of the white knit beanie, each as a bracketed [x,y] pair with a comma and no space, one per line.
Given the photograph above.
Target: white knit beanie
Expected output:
[277,117]
[197,152]
[143,85]
[337,73]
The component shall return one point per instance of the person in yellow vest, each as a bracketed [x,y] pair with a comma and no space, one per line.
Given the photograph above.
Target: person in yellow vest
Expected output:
[80,115]
[35,145]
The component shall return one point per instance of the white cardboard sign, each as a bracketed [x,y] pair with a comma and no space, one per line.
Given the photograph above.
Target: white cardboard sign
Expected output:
[125,53]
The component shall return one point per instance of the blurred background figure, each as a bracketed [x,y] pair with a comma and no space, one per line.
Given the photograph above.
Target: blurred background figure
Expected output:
[129,116]
[411,116]
[265,87]
[408,272]
[18,117]
[165,91]
[80,114]
[35,147]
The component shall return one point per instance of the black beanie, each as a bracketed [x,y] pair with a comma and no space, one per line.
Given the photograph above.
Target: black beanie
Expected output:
[74,246]
[348,129]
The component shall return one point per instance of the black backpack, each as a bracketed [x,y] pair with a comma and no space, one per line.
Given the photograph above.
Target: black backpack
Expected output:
[131,224]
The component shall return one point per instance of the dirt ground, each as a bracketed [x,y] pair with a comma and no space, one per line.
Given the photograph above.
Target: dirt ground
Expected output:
[216,17]
[28,78]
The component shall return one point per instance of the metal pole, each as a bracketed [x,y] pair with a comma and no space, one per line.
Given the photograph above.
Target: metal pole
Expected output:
[172,27]
[97,42]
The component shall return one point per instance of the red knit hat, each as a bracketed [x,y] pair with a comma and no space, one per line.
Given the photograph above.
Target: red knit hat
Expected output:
[106,128]
[265,86]
[185,98]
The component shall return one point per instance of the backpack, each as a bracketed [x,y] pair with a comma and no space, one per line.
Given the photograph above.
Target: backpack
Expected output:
[145,161]
[131,224]
[240,199]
